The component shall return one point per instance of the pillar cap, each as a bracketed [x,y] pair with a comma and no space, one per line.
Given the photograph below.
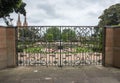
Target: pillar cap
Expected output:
[116,26]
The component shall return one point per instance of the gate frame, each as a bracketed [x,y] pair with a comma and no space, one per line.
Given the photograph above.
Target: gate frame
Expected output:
[103,48]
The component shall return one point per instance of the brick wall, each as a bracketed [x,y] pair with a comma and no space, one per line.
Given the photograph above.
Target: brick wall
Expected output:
[7,47]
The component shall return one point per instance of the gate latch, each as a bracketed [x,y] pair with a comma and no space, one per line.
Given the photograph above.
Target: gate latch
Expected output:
[60,47]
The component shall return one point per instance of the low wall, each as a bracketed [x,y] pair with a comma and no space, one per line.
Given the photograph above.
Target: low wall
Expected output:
[112,46]
[7,47]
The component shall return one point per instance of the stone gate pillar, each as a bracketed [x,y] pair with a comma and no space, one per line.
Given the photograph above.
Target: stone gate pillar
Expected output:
[112,46]
[7,47]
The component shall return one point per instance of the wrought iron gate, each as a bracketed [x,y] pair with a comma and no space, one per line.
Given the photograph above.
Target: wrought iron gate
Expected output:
[59,45]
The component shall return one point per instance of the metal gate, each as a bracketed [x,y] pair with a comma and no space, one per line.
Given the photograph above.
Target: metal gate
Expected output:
[59,45]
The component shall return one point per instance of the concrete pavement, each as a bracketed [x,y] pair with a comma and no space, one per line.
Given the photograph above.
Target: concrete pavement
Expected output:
[82,74]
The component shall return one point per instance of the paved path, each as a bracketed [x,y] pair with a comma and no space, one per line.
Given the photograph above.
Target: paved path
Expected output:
[83,74]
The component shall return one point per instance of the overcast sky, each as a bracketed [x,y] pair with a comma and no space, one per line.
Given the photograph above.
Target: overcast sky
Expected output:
[64,12]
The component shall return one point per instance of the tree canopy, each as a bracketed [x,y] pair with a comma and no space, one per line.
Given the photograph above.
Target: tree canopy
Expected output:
[68,35]
[55,34]
[28,34]
[52,33]
[110,16]
[10,6]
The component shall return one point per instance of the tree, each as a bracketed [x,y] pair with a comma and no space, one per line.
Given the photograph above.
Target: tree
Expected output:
[52,32]
[110,16]
[68,35]
[28,34]
[97,39]
[27,37]
[10,6]
[49,37]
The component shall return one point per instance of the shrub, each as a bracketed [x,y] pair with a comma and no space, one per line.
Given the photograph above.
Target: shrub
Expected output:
[33,50]
[82,50]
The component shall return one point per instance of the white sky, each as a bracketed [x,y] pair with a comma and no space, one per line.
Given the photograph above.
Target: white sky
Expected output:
[64,12]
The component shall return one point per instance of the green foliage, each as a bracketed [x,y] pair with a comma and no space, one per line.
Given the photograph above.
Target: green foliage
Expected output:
[68,35]
[19,49]
[96,49]
[98,36]
[28,35]
[110,16]
[52,33]
[82,50]
[49,37]
[33,50]
[10,6]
